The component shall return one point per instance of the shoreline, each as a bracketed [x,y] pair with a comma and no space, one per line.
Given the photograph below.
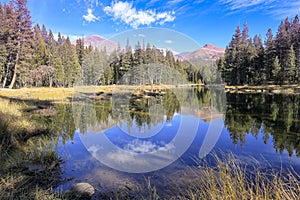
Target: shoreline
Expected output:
[267,89]
[64,94]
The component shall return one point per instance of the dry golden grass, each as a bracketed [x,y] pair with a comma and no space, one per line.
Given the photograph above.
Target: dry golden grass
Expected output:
[276,89]
[13,109]
[38,93]
[17,151]
[61,94]
[52,94]
[230,180]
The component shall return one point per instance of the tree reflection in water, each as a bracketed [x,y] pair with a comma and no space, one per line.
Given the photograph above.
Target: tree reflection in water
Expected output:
[275,115]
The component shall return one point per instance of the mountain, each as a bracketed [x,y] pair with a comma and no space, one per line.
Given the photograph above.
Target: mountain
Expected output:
[205,54]
[100,42]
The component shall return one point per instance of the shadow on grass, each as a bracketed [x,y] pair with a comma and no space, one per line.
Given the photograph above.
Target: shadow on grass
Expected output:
[29,164]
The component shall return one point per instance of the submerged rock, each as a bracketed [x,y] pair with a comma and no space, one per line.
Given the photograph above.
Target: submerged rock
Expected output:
[82,190]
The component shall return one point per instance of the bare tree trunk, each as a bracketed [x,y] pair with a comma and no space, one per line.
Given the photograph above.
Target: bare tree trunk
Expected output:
[4,81]
[12,83]
[51,82]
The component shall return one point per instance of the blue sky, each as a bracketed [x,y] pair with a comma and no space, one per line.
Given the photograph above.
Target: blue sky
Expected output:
[204,21]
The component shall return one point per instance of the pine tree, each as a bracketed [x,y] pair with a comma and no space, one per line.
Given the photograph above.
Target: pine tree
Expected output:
[295,36]
[250,63]
[40,54]
[138,55]
[8,41]
[170,60]
[270,54]
[290,69]
[93,68]
[55,60]
[80,50]
[276,72]
[71,67]
[44,34]
[283,42]
[23,40]
[233,59]
[60,39]
[149,54]
[258,61]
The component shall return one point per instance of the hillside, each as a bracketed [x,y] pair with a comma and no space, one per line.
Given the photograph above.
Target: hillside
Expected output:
[205,54]
[100,42]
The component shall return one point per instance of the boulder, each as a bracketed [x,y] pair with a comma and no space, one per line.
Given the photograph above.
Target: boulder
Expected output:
[82,190]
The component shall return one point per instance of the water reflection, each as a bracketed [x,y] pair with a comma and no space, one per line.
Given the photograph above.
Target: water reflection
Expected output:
[139,133]
[144,110]
[274,115]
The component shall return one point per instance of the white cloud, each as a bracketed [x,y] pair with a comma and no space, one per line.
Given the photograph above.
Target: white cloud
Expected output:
[122,157]
[141,35]
[138,146]
[240,4]
[90,3]
[125,12]
[288,9]
[168,41]
[174,2]
[275,7]
[90,17]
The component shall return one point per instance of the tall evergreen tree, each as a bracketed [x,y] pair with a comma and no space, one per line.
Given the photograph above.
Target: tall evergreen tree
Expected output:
[170,60]
[295,36]
[276,71]
[80,50]
[258,62]
[250,63]
[71,67]
[290,69]
[44,34]
[8,41]
[40,54]
[23,40]
[270,54]
[233,59]
[138,55]
[283,42]
[55,60]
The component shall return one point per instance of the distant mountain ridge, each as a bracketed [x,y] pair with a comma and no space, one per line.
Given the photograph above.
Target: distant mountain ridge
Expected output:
[100,43]
[208,52]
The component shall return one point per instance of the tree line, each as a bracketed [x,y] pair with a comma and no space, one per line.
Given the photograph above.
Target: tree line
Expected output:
[31,56]
[249,61]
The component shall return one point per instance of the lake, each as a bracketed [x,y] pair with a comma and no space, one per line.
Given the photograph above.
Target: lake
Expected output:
[162,136]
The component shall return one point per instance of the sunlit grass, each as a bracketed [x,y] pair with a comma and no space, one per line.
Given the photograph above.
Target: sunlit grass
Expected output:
[232,180]
[38,93]
[27,169]
[53,94]
[12,109]
[59,94]
[278,89]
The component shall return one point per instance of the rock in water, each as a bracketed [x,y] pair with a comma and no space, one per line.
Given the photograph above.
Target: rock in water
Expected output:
[82,190]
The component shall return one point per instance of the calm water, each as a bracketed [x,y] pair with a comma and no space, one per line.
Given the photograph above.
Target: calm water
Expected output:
[127,139]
